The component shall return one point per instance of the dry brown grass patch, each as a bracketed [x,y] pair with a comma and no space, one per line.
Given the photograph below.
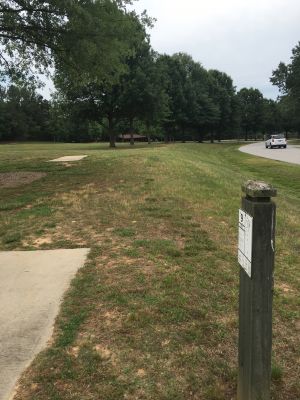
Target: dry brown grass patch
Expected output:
[284,287]
[14,179]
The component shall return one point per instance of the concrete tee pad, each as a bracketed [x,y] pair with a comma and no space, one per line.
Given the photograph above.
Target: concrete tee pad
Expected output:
[68,158]
[32,284]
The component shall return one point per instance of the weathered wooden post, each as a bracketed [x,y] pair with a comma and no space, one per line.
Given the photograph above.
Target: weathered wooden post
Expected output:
[256,257]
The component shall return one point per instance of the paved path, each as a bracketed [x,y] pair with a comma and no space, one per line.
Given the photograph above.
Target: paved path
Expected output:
[291,154]
[32,284]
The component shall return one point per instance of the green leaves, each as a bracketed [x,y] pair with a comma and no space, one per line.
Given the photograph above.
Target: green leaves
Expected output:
[251,108]
[287,78]
[30,31]
[87,39]
[99,35]
[24,114]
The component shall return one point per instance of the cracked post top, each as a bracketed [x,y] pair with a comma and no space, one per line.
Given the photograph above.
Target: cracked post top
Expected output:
[259,189]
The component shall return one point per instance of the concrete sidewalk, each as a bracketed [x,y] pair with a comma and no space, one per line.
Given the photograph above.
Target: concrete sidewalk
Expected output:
[32,284]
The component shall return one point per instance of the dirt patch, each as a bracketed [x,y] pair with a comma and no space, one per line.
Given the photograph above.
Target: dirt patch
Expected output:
[285,288]
[43,240]
[104,352]
[14,179]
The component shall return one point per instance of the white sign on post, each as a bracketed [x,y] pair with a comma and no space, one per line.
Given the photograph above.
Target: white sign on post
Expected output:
[245,241]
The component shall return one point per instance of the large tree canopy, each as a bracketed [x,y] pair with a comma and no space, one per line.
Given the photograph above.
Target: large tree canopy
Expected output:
[137,95]
[30,31]
[36,33]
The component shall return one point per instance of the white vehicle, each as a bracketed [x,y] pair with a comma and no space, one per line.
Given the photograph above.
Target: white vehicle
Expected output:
[276,141]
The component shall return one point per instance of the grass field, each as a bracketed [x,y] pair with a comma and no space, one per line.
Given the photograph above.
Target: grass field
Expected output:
[153,314]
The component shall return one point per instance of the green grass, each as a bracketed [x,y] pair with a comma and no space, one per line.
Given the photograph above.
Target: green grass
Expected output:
[124,232]
[153,314]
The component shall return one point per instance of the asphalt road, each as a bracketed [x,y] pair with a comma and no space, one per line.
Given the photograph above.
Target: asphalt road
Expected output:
[291,154]
[32,284]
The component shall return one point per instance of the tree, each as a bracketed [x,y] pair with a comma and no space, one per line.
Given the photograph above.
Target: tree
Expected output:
[24,114]
[289,114]
[251,108]
[100,38]
[30,31]
[272,119]
[287,78]
[186,87]
[202,111]
[201,101]
[137,97]
[109,97]
[156,110]
[222,93]
[34,33]
[142,93]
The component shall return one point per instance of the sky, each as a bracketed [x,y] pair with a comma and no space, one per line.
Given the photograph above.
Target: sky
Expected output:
[244,38]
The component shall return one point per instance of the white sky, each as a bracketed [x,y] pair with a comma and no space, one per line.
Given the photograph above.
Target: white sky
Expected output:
[244,38]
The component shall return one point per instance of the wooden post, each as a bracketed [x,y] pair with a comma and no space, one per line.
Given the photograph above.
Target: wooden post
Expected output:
[256,292]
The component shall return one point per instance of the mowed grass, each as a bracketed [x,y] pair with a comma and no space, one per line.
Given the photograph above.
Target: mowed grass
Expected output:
[153,314]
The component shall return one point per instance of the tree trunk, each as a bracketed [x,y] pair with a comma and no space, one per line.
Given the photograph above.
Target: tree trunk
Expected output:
[112,136]
[183,134]
[131,131]
[148,134]
[200,137]
[212,137]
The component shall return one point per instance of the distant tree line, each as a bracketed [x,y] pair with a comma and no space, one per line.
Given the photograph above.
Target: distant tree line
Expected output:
[109,81]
